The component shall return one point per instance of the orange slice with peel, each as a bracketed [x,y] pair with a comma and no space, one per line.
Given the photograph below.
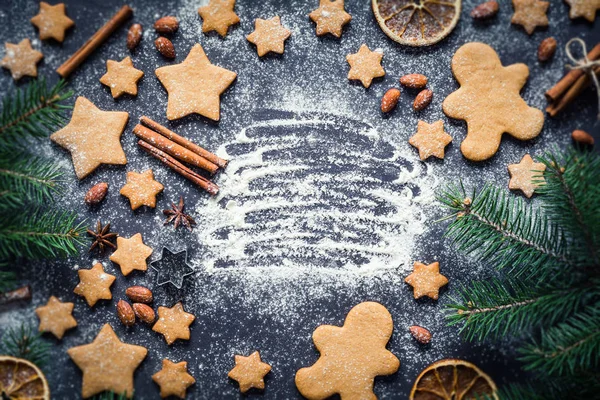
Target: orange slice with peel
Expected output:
[417,22]
[452,379]
[22,380]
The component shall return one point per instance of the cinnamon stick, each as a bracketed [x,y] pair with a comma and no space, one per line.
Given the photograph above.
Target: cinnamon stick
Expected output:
[180,168]
[95,41]
[155,126]
[558,90]
[22,293]
[172,148]
[574,91]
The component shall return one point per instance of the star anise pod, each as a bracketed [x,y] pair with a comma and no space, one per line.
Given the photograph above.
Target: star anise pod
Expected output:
[102,237]
[175,213]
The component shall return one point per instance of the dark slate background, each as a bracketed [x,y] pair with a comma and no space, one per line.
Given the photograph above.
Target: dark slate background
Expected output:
[227,322]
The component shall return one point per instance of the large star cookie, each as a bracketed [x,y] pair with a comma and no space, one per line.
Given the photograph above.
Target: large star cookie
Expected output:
[107,363]
[56,317]
[426,280]
[94,284]
[131,254]
[121,77]
[489,101]
[330,17]
[141,189]
[269,36]
[21,59]
[365,65]
[173,379]
[52,21]
[249,372]
[93,137]
[430,139]
[526,175]
[173,323]
[583,8]
[530,14]
[218,15]
[351,355]
[195,85]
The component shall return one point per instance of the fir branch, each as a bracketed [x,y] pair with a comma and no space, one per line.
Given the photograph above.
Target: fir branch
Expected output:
[503,230]
[496,308]
[39,234]
[573,388]
[568,347]
[8,281]
[32,112]
[24,342]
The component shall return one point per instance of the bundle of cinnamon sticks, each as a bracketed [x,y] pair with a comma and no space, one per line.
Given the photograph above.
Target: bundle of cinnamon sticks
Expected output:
[570,86]
[172,150]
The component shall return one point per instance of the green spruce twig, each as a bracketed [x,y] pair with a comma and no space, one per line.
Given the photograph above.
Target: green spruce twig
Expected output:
[8,281]
[24,342]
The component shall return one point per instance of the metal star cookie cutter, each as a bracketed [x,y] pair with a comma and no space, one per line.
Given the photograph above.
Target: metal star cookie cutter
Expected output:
[172,267]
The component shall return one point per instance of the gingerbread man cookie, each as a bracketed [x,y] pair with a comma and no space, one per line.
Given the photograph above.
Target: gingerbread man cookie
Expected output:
[351,355]
[489,101]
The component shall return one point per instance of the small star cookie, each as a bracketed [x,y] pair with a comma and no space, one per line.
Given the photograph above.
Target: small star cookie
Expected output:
[56,317]
[173,379]
[269,36]
[526,175]
[94,284]
[121,77]
[195,85]
[93,137]
[21,59]
[249,372]
[218,16]
[530,14]
[489,100]
[426,280]
[131,254]
[107,363]
[330,17]
[351,355]
[583,8]
[365,65]
[173,323]
[430,139]
[141,189]
[52,21]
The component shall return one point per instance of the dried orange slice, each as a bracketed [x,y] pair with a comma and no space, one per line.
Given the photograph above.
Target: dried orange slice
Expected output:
[22,380]
[417,22]
[452,379]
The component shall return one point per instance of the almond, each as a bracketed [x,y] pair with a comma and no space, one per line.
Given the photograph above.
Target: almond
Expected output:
[485,10]
[125,313]
[582,137]
[96,194]
[165,47]
[547,49]
[139,294]
[390,100]
[144,313]
[134,36]
[166,25]
[421,334]
[414,81]
[422,100]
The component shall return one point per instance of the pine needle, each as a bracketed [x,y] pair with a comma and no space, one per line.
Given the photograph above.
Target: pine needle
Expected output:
[24,342]
[8,281]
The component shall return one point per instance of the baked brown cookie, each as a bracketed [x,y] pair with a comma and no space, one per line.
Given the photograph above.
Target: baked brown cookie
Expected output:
[56,317]
[249,372]
[94,284]
[173,323]
[365,65]
[52,21]
[21,59]
[526,176]
[121,77]
[173,379]
[426,280]
[430,139]
[269,36]
[141,189]
[330,17]
[131,254]
[218,15]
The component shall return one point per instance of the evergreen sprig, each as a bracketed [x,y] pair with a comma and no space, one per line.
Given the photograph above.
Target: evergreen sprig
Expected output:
[32,112]
[8,281]
[24,342]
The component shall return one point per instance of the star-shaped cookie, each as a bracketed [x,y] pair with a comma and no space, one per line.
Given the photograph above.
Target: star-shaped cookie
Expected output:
[94,284]
[249,372]
[131,254]
[426,280]
[93,137]
[430,139]
[56,317]
[173,379]
[173,323]
[107,363]
[330,17]
[269,36]
[121,77]
[583,8]
[365,65]
[141,189]
[526,175]
[21,59]
[218,15]
[195,85]
[52,21]
[530,14]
